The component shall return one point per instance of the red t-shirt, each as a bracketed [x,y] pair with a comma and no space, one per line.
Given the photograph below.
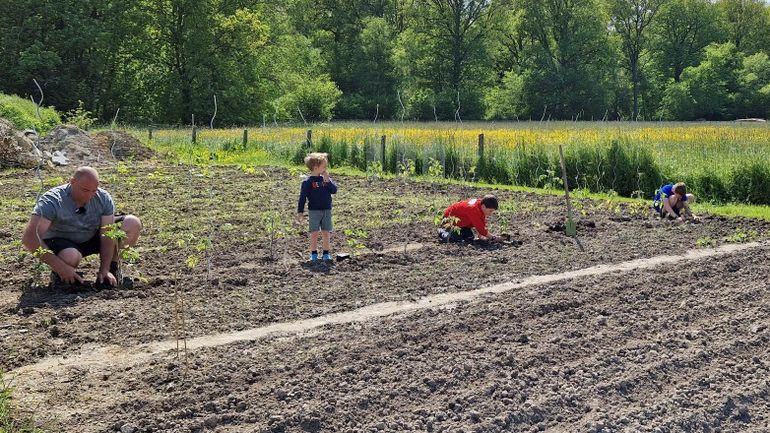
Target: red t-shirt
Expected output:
[470,214]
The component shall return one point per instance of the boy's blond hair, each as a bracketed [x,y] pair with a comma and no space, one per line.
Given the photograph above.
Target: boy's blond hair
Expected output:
[315,159]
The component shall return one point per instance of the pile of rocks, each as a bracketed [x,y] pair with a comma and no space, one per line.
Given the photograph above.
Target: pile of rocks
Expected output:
[67,145]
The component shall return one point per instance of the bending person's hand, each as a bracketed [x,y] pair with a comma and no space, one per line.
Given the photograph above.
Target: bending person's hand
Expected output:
[68,275]
[106,277]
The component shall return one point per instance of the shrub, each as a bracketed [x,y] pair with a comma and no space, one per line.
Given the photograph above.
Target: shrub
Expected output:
[22,113]
[751,183]
[80,117]
[707,186]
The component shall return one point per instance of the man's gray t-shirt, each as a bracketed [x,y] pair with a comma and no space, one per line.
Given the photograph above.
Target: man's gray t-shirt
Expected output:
[57,206]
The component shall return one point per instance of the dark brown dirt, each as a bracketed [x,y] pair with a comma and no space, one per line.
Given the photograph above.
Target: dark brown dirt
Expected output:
[609,353]
[599,354]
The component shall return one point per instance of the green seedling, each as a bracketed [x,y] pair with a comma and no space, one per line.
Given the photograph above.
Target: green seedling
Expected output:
[435,169]
[446,223]
[706,242]
[38,269]
[375,170]
[742,235]
[611,204]
[275,226]
[115,232]
[406,168]
[355,239]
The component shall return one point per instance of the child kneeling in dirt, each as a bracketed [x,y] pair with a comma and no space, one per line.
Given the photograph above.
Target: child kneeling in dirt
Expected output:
[673,202]
[462,216]
[317,190]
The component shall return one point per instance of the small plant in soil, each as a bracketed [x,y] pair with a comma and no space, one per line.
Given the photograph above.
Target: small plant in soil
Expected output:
[447,223]
[742,235]
[38,268]
[355,239]
[274,226]
[435,169]
[375,170]
[406,169]
[115,232]
[706,242]
[611,204]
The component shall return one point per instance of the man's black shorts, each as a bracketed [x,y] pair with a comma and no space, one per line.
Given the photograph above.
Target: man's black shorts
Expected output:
[87,248]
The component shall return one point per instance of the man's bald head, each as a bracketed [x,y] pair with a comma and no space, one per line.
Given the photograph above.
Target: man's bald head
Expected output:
[86,173]
[84,184]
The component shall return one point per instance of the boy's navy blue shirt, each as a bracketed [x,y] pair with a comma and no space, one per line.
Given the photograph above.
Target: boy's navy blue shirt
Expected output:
[317,193]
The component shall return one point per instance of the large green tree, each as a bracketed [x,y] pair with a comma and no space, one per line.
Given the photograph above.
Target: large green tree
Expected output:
[748,24]
[568,59]
[681,32]
[631,20]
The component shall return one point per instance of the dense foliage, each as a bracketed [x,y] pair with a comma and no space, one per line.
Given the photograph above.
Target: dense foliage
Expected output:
[163,61]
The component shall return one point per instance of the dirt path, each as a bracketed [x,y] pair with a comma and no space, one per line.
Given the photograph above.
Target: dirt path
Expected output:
[114,356]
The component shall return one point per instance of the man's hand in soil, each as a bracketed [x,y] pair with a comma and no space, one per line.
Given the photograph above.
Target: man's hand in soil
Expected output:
[106,277]
[299,218]
[68,275]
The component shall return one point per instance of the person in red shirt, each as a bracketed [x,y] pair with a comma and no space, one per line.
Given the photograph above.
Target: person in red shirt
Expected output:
[462,216]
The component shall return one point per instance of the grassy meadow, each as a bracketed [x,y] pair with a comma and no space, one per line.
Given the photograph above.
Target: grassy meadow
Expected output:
[721,162]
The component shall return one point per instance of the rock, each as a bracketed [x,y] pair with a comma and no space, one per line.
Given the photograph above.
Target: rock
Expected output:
[128,428]
[16,149]
[73,144]
[58,158]
[280,394]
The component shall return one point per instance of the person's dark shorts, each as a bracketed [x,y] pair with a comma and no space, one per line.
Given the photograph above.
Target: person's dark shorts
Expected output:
[464,235]
[87,248]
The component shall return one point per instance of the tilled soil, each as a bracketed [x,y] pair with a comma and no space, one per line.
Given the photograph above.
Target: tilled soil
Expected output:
[683,349]
[245,289]
[546,358]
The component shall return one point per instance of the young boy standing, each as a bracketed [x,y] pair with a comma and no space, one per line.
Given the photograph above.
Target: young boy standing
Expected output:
[465,215]
[317,190]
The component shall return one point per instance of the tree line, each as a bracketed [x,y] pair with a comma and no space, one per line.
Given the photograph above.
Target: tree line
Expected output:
[163,61]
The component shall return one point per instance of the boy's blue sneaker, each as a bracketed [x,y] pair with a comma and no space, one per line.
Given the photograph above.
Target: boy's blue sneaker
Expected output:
[313,257]
[327,258]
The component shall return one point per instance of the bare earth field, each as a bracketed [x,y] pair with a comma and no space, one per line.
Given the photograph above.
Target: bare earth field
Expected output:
[532,335]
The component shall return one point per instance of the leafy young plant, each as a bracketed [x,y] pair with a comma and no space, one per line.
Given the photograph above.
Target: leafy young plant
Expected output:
[38,268]
[115,232]
[706,242]
[355,239]
[447,223]
[375,170]
[275,226]
[435,169]
[742,235]
[80,117]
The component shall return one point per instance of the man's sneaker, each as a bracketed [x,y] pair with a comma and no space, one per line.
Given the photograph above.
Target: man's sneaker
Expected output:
[313,257]
[327,258]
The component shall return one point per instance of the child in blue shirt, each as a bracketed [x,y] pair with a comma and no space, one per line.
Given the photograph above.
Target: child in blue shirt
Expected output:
[317,190]
[672,201]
